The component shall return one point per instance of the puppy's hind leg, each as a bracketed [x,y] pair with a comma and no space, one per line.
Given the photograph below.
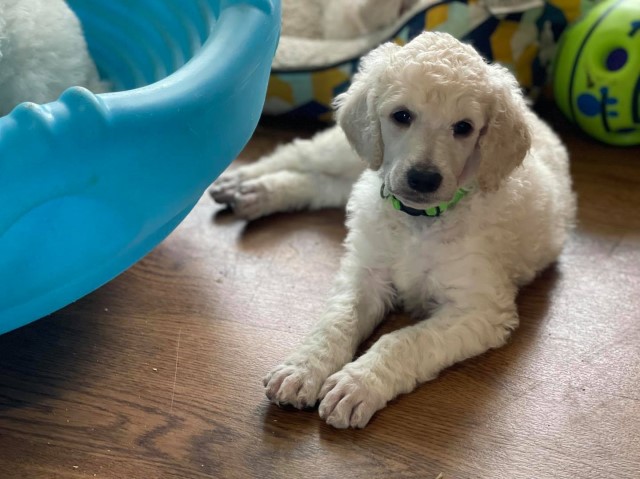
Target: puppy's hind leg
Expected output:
[289,191]
[284,158]
[327,156]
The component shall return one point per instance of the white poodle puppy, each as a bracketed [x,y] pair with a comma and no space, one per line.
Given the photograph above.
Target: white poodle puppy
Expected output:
[466,198]
[42,52]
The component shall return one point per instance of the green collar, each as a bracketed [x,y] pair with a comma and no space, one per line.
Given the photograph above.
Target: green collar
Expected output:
[432,212]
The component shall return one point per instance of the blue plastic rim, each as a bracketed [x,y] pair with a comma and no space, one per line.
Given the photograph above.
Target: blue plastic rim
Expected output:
[91,183]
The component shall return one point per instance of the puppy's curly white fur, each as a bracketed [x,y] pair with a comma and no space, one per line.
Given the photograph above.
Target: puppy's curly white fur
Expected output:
[42,53]
[431,109]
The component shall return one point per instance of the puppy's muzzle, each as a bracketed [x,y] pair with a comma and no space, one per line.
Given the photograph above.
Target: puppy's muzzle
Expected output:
[424,181]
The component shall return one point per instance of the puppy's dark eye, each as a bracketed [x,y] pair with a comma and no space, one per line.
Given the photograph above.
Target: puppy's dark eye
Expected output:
[462,129]
[402,117]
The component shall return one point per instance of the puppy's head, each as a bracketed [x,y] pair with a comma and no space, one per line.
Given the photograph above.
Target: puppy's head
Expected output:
[433,116]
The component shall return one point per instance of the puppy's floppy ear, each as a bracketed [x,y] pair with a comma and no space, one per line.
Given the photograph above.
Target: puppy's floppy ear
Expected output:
[506,138]
[356,112]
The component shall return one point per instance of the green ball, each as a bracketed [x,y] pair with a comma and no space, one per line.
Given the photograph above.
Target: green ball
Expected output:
[597,72]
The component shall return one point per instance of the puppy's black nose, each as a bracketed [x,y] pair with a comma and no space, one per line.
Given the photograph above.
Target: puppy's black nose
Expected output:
[424,181]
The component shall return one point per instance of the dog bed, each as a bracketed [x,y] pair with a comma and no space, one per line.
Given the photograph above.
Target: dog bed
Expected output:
[309,72]
[91,183]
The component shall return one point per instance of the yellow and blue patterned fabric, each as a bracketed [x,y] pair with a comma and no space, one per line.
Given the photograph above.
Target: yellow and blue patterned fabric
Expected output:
[525,42]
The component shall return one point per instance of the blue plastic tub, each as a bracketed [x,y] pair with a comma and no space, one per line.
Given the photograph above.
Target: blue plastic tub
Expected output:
[89,184]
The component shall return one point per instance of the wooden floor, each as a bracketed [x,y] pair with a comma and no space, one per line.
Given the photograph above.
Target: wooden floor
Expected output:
[158,374]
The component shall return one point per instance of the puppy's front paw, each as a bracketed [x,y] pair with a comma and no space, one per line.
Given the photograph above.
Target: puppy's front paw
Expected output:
[294,384]
[350,397]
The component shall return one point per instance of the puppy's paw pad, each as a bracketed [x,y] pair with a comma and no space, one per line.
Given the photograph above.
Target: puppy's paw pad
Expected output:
[349,401]
[251,200]
[297,386]
[226,187]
